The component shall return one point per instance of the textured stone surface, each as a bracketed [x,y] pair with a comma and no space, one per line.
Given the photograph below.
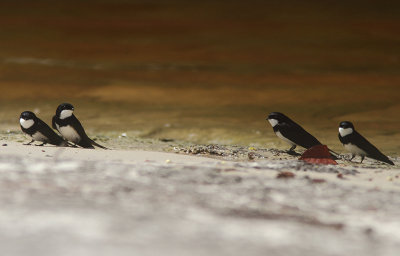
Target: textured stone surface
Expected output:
[65,207]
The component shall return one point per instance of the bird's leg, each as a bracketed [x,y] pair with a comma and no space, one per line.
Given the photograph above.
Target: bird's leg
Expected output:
[352,156]
[362,158]
[292,152]
[29,143]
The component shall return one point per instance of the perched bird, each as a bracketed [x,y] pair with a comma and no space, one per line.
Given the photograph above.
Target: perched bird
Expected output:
[39,130]
[356,144]
[291,132]
[70,127]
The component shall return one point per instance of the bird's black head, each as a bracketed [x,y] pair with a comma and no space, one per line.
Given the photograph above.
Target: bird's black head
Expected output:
[27,119]
[27,115]
[276,117]
[64,110]
[346,124]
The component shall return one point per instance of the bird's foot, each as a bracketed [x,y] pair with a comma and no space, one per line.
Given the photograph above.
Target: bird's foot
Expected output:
[346,158]
[349,159]
[292,153]
[29,143]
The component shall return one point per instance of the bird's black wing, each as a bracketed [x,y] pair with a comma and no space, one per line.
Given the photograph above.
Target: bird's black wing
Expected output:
[370,149]
[298,135]
[343,140]
[85,141]
[53,138]
[53,122]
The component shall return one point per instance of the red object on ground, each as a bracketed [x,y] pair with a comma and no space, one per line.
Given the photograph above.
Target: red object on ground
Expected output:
[318,154]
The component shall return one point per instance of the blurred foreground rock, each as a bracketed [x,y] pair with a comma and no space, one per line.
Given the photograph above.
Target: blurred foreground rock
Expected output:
[65,207]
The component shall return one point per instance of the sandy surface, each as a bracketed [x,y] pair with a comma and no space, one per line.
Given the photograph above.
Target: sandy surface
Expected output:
[100,202]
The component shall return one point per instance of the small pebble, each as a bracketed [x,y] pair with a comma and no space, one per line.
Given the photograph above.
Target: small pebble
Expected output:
[285,175]
[4,145]
[251,155]
[318,180]
[368,231]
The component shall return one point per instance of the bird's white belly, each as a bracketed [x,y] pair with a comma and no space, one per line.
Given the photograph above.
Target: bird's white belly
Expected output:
[354,149]
[69,133]
[279,134]
[39,137]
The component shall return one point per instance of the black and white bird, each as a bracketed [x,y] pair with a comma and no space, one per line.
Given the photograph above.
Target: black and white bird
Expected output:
[290,132]
[39,130]
[70,128]
[356,144]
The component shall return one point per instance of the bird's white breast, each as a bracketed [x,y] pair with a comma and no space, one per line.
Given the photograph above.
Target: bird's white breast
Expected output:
[66,113]
[26,123]
[273,122]
[354,149]
[38,136]
[345,131]
[279,134]
[69,133]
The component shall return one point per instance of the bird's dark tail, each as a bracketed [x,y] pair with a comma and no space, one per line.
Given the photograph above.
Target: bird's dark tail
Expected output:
[389,162]
[97,144]
[85,143]
[384,159]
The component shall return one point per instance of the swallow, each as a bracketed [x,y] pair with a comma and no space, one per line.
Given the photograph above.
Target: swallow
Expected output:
[70,128]
[39,130]
[356,144]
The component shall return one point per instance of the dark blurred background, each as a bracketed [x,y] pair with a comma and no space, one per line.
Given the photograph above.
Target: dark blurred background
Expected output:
[205,71]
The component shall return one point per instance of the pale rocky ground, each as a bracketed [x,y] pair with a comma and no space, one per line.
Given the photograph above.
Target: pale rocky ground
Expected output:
[70,201]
